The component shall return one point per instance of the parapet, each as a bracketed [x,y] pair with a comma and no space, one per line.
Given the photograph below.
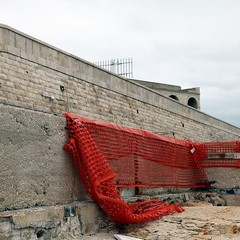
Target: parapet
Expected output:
[189,96]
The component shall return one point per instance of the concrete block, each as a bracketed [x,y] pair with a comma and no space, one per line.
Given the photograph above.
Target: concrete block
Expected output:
[224,177]
[36,170]
[20,42]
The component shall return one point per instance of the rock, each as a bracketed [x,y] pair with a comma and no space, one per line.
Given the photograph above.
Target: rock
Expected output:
[217,201]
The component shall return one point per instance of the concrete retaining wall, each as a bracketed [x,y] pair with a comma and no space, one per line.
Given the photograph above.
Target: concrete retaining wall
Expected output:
[37,83]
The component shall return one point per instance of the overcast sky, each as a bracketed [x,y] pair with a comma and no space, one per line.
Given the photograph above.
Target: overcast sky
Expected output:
[191,43]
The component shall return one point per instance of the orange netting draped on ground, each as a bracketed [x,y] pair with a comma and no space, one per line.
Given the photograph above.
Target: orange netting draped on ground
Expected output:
[108,156]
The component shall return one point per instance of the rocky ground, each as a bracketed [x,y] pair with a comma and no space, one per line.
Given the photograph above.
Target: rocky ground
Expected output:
[198,221]
[207,215]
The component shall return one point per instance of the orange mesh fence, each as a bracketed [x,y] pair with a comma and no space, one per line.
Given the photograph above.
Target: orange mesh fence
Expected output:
[219,154]
[108,156]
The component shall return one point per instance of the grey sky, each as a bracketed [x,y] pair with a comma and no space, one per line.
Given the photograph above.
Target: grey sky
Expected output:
[191,43]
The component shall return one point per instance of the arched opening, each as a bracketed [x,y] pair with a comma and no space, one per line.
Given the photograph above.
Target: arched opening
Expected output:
[174,97]
[192,102]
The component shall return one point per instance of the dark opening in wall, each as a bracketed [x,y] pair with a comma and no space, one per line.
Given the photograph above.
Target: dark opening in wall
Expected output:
[192,102]
[174,97]
[40,233]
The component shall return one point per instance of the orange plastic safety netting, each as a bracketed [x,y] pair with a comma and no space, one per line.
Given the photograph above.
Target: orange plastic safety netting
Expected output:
[108,156]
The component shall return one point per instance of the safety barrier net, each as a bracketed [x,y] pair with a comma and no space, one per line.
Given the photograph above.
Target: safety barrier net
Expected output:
[108,156]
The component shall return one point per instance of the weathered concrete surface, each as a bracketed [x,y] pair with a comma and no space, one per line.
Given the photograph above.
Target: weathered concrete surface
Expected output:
[35,170]
[224,177]
[62,221]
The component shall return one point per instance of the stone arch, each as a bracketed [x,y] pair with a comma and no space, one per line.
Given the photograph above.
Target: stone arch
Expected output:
[192,102]
[174,97]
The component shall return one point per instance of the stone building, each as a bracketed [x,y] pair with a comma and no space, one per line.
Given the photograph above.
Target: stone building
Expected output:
[190,96]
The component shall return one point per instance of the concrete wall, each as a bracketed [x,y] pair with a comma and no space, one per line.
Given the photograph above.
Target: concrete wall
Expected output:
[35,170]
[32,76]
